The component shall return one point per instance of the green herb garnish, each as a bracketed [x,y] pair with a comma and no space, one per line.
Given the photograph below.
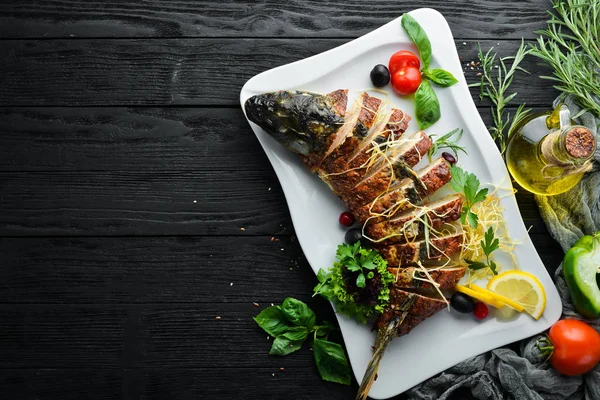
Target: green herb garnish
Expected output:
[489,244]
[468,184]
[427,105]
[571,46]
[290,324]
[358,283]
[494,85]
[447,141]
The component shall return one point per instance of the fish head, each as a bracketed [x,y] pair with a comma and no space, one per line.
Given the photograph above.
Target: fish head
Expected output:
[303,122]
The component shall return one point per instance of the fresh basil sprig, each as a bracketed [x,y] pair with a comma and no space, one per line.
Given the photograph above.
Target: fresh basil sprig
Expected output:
[426,102]
[290,324]
[419,37]
[427,106]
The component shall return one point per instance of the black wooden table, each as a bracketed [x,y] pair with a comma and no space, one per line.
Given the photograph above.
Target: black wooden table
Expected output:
[137,207]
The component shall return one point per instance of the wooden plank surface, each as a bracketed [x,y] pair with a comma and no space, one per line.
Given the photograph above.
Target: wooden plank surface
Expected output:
[194,72]
[130,270]
[274,18]
[128,171]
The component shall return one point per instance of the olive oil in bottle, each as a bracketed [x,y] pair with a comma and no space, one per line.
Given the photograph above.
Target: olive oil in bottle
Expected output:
[548,155]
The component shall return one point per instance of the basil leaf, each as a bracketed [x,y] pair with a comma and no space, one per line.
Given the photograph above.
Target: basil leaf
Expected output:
[283,346]
[419,37]
[324,329]
[331,362]
[273,321]
[440,77]
[298,313]
[427,105]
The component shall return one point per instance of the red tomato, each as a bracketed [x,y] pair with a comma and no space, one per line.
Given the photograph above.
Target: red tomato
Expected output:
[402,59]
[406,80]
[576,347]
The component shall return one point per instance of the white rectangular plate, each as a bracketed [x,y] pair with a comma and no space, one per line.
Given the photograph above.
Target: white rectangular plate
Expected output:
[446,338]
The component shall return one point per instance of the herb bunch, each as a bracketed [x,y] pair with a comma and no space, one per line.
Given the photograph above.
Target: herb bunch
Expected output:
[358,283]
[467,184]
[290,324]
[489,244]
[427,105]
[571,46]
[495,85]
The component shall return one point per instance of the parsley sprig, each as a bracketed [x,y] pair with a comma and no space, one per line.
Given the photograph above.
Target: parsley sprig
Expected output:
[468,184]
[290,324]
[357,261]
[489,244]
[447,141]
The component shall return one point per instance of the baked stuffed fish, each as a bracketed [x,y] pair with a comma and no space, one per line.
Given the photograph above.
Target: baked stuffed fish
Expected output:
[362,153]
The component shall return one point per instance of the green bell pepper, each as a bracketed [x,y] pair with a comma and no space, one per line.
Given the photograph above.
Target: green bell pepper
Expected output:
[580,266]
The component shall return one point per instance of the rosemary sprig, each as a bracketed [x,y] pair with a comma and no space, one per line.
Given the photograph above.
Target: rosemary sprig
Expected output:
[494,85]
[447,141]
[571,47]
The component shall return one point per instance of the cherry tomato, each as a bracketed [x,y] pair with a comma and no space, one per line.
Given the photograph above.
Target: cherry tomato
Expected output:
[346,218]
[480,310]
[406,80]
[576,347]
[403,58]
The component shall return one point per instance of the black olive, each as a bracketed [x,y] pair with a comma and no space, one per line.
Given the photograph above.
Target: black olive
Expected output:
[380,75]
[353,235]
[461,303]
[449,157]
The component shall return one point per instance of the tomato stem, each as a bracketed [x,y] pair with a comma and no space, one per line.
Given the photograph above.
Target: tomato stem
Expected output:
[545,346]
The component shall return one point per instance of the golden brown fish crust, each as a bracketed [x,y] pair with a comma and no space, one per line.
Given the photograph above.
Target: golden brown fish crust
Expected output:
[447,278]
[406,226]
[407,253]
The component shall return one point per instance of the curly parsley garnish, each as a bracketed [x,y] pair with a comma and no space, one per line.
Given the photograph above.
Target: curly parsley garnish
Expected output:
[468,184]
[358,283]
[488,244]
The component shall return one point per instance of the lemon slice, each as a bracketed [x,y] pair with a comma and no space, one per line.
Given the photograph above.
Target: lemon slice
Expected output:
[523,288]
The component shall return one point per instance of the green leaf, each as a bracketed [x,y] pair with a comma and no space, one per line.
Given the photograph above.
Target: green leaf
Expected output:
[440,77]
[370,275]
[489,242]
[298,313]
[470,188]
[459,177]
[282,346]
[419,37]
[427,105]
[493,267]
[273,321]
[322,275]
[360,280]
[296,333]
[352,265]
[480,196]
[323,330]
[475,265]
[473,219]
[331,362]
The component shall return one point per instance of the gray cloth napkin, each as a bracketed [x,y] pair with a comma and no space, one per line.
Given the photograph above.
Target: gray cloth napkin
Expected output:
[522,375]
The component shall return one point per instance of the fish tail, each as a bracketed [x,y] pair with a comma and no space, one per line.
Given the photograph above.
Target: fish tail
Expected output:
[383,339]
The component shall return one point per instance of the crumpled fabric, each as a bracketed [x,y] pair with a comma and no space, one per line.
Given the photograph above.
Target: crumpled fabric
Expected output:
[523,375]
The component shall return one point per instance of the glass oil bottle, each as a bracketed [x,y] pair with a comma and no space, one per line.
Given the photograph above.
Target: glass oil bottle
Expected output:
[548,155]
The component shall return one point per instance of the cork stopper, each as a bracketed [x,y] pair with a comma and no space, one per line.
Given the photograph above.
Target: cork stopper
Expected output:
[580,142]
